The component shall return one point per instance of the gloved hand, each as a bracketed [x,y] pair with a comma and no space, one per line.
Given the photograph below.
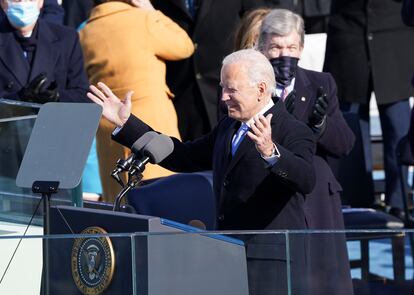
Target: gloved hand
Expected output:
[35,90]
[290,101]
[317,118]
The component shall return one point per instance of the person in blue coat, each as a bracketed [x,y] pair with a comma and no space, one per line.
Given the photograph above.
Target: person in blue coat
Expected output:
[40,61]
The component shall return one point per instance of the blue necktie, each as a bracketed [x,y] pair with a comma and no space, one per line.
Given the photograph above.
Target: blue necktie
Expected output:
[238,137]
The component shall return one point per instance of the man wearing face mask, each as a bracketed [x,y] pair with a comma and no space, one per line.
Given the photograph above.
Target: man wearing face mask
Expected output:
[311,97]
[39,61]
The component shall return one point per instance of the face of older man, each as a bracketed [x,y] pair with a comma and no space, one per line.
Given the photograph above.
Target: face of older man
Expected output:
[277,46]
[243,98]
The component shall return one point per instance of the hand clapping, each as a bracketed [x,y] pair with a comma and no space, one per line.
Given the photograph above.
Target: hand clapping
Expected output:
[261,134]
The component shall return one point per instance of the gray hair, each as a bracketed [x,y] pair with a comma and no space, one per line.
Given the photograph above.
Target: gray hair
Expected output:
[256,65]
[281,22]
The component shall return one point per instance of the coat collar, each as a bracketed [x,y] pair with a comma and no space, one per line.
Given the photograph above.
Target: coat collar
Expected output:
[11,54]
[108,8]
[46,54]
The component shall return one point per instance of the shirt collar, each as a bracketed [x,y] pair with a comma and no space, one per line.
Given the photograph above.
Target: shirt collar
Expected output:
[267,107]
[289,88]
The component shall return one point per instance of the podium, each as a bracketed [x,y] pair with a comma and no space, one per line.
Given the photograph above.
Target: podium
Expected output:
[163,257]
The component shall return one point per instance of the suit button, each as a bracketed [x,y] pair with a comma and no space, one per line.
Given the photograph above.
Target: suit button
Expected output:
[225,183]
[198,76]
[10,85]
[370,37]
[221,217]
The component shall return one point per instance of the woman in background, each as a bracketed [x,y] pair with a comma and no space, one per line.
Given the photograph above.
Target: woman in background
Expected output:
[125,44]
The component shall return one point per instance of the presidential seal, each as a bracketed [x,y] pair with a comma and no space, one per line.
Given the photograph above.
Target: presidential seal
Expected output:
[93,262]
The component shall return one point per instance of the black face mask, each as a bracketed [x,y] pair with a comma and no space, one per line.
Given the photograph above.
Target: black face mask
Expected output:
[285,69]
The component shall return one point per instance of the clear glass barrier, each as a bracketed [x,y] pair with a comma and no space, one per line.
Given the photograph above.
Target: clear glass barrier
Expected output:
[175,261]
[18,204]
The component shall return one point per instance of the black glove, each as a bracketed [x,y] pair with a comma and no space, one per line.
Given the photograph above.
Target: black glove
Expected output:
[290,101]
[317,119]
[36,92]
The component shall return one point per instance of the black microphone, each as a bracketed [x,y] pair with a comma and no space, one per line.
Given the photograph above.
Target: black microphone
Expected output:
[156,150]
[125,165]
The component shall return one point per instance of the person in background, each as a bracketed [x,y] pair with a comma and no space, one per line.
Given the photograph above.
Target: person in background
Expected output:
[261,159]
[314,12]
[194,81]
[51,12]
[364,55]
[125,44]
[39,61]
[311,97]
[247,32]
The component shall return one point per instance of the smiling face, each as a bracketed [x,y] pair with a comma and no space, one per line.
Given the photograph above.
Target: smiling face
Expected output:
[275,46]
[243,98]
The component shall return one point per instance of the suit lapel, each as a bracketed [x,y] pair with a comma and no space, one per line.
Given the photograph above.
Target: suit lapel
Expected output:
[304,95]
[46,53]
[12,57]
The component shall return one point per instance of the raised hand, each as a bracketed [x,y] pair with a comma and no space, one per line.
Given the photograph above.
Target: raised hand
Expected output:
[114,110]
[317,118]
[261,134]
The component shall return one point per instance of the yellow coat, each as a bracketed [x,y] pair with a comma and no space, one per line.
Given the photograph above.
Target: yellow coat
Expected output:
[125,47]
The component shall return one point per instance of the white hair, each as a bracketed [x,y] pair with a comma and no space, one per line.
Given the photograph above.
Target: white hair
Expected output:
[281,22]
[256,65]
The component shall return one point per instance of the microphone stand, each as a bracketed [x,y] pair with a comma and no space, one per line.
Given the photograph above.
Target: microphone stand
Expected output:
[134,178]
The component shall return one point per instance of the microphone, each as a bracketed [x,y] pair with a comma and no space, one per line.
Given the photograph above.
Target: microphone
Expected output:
[125,165]
[156,150]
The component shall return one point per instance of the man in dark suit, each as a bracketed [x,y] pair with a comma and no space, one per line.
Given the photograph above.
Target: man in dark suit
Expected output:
[311,97]
[364,56]
[195,81]
[39,61]
[260,177]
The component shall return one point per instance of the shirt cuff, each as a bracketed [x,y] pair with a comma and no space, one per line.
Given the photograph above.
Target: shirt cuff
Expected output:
[273,158]
[116,131]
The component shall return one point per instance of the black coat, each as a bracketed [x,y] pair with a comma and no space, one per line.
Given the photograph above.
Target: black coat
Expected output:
[250,195]
[212,32]
[58,54]
[368,37]
[328,259]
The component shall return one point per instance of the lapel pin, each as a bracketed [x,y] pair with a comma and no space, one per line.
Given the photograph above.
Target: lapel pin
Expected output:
[303,98]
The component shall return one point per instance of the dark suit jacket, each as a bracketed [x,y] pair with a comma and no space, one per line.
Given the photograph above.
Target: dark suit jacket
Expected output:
[212,32]
[58,54]
[328,260]
[249,195]
[407,12]
[363,40]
